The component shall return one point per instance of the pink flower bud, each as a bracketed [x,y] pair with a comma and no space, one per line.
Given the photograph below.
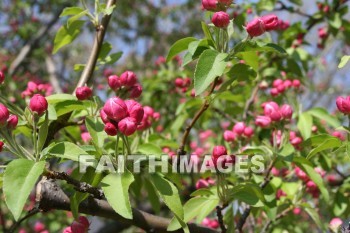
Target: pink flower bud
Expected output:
[83,93]
[280,193]
[115,108]
[110,129]
[1,145]
[301,174]
[238,128]
[311,185]
[32,87]
[209,5]
[335,224]
[255,27]
[296,211]
[229,136]
[343,104]
[270,22]
[296,141]
[283,25]
[201,183]
[221,19]
[214,224]
[2,77]
[128,79]
[39,227]
[277,82]
[135,91]
[287,83]
[104,116]
[4,114]
[281,88]
[287,111]
[179,82]
[12,122]
[274,92]
[67,230]
[114,82]
[107,72]
[271,110]
[127,126]
[338,135]
[86,137]
[322,33]
[263,121]
[135,110]
[148,111]
[156,116]
[218,151]
[248,132]
[296,83]
[38,104]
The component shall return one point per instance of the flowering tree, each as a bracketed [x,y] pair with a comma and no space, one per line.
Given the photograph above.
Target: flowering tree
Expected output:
[220,135]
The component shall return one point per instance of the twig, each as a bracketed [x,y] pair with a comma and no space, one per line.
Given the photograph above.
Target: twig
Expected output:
[220,219]
[204,107]
[99,37]
[28,48]
[278,217]
[31,213]
[225,115]
[250,102]
[79,186]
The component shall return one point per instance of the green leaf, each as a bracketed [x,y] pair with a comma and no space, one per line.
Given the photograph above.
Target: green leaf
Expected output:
[178,47]
[323,114]
[44,129]
[150,149]
[335,20]
[248,193]
[307,167]
[199,207]
[211,64]
[207,32]
[67,150]
[344,61]
[111,59]
[152,196]
[66,35]
[54,99]
[242,72]
[305,125]
[169,194]
[327,144]
[314,215]
[341,203]
[96,129]
[71,11]
[19,179]
[116,189]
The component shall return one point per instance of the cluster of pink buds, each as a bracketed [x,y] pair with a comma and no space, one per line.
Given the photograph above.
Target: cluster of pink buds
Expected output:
[211,223]
[263,24]
[216,5]
[80,226]
[311,187]
[279,86]
[34,88]
[220,157]
[339,135]
[239,130]
[274,113]
[183,84]
[126,83]
[83,93]
[323,7]
[283,172]
[6,119]
[322,35]
[122,116]
[204,183]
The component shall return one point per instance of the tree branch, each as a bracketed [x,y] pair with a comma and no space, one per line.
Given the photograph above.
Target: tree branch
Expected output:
[90,65]
[30,45]
[205,106]
[51,69]
[50,196]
